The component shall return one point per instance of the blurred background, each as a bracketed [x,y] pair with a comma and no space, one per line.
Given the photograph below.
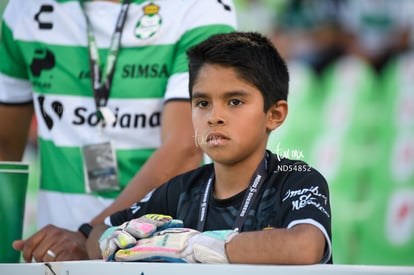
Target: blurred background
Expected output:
[351,115]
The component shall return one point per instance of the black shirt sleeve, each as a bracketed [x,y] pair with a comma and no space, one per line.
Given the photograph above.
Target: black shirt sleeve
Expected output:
[155,202]
[177,198]
[305,195]
[305,199]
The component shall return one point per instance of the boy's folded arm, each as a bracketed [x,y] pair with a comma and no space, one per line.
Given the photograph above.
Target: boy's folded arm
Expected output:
[301,244]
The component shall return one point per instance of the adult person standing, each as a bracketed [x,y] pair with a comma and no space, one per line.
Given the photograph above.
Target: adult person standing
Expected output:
[109,85]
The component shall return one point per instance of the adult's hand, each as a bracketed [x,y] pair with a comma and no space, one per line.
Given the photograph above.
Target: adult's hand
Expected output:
[51,244]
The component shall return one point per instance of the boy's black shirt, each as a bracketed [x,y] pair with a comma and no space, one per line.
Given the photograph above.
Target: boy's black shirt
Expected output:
[292,193]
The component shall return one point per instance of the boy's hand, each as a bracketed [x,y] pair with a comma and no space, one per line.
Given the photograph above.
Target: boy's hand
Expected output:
[180,245]
[127,234]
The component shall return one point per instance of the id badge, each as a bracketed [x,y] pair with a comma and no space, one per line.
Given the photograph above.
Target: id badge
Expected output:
[100,167]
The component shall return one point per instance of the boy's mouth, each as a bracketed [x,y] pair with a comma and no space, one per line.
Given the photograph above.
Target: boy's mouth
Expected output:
[216,139]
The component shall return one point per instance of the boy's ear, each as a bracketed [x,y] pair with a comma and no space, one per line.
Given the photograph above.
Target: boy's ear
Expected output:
[276,115]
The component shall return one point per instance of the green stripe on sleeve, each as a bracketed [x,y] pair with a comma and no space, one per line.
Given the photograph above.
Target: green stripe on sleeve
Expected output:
[12,62]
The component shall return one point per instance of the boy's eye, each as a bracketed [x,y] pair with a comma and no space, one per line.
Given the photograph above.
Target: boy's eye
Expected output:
[202,103]
[235,102]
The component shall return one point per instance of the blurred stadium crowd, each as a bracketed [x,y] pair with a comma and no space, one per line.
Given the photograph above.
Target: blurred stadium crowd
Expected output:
[351,115]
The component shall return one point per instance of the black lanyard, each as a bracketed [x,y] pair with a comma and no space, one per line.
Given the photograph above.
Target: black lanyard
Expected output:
[102,81]
[251,193]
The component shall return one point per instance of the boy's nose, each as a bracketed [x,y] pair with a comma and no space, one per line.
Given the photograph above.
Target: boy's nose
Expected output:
[216,117]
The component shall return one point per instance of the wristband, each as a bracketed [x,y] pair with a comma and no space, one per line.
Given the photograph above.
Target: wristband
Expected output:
[85,229]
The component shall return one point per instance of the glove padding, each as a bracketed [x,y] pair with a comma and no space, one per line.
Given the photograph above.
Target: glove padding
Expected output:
[127,234]
[180,245]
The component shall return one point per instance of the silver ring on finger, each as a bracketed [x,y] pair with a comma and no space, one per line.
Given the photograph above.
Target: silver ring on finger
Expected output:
[51,253]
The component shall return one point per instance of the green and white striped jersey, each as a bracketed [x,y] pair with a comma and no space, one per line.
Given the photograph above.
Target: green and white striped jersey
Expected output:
[44,59]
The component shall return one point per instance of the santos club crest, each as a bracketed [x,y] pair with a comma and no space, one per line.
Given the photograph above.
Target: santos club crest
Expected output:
[149,23]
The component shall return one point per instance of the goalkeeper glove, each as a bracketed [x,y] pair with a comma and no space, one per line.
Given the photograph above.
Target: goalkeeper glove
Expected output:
[127,234]
[180,245]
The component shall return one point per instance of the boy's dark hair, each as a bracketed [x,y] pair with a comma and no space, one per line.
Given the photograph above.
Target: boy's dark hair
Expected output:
[253,57]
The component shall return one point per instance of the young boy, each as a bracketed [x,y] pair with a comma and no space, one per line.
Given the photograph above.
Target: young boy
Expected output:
[252,206]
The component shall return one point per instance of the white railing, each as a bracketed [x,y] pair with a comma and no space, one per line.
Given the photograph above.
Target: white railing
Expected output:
[115,268]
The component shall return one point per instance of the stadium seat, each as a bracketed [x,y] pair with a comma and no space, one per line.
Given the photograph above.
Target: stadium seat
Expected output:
[387,236]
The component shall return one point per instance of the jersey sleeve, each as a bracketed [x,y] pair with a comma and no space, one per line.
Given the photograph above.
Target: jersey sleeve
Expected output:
[159,201]
[15,87]
[197,26]
[305,200]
